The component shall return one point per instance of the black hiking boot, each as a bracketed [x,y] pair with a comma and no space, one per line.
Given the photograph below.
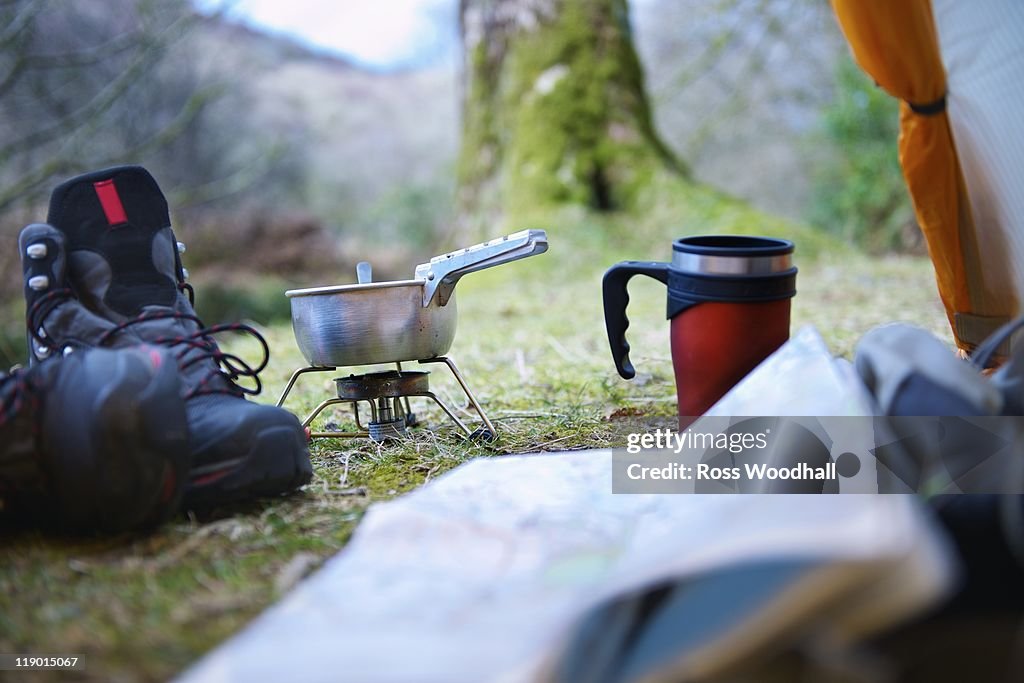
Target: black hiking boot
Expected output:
[123,265]
[94,442]
[57,323]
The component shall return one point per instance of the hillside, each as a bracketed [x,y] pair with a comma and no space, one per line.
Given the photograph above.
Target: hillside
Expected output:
[363,133]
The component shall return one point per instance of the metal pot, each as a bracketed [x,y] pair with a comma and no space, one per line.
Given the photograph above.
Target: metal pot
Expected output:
[401,320]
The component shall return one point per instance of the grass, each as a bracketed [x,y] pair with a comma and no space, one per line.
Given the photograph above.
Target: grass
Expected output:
[530,343]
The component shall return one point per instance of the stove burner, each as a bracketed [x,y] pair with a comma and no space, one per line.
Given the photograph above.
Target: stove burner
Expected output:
[382,390]
[390,384]
[387,394]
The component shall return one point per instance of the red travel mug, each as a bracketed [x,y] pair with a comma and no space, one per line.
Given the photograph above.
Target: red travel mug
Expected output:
[729,307]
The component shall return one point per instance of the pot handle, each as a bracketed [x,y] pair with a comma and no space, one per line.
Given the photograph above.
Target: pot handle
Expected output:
[442,272]
[615,300]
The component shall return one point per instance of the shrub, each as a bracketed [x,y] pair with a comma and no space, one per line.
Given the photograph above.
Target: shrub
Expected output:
[260,299]
[858,188]
[253,241]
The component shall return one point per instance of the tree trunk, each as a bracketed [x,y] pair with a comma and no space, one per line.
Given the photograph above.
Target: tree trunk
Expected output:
[554,109]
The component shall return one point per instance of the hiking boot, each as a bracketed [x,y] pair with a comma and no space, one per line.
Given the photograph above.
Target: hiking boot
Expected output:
[123,265]
[57,323]
[93,442]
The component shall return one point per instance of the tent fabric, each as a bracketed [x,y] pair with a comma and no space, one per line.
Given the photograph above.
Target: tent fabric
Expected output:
[897,44]
[982,46]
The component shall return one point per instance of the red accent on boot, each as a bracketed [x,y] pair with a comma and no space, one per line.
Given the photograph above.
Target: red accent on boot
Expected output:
[111,202]
[170,481]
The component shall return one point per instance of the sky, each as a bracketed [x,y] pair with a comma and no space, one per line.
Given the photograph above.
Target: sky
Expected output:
[380,34]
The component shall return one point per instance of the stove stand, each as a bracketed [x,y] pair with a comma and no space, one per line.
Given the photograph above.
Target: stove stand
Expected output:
[387,395]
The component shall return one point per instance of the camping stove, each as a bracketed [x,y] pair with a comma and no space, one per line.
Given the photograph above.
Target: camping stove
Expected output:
[387,394]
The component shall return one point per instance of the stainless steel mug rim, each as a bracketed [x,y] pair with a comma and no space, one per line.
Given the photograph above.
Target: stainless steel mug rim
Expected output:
[732,255]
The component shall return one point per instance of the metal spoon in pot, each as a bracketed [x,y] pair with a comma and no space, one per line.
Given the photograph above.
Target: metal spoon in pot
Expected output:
[364,273]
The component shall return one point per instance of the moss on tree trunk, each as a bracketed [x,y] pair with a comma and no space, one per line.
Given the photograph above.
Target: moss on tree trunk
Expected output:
[554,109]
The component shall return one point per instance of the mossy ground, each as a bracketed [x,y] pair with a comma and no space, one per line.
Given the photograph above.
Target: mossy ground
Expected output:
[532,345]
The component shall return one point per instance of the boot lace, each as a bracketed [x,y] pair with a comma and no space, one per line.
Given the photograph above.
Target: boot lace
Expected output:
[40,309]
[15,393]
[226,365]
[195,347]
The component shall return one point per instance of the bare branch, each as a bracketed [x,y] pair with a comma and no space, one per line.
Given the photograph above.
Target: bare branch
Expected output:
[86,56]
[21,22]
[10,79]
[238,181]
[100,103]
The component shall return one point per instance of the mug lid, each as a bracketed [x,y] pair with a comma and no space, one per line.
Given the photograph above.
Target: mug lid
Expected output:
[733,245]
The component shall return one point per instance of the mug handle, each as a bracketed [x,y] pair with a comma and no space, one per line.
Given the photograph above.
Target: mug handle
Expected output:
[615,300]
